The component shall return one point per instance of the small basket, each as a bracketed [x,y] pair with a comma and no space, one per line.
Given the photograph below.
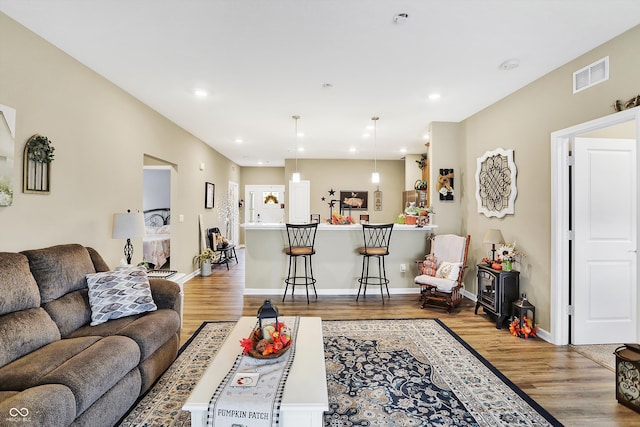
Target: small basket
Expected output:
[255,338]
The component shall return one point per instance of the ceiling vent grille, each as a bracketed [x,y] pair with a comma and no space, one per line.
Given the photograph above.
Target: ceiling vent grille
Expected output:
[591,75]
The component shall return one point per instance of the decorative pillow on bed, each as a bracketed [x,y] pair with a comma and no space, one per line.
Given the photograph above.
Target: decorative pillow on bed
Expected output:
[449,270]
[429,265]
[121,293]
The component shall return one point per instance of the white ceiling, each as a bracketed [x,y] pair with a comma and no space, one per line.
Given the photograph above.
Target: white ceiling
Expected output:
[263,61]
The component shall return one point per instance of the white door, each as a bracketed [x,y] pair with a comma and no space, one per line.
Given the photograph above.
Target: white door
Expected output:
[604,286]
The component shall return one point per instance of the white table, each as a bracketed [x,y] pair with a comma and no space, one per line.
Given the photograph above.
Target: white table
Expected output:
[305,397]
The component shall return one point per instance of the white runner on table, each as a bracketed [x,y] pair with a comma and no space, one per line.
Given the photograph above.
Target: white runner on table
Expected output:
[253,405]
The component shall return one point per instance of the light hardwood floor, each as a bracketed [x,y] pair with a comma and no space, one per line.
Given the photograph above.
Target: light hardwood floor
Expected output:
[574,389]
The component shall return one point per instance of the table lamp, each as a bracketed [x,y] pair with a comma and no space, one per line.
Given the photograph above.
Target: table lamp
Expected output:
[127,226]
[493,236]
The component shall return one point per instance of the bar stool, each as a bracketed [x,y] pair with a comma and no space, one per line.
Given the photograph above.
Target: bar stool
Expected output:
[376,244]
[301,240]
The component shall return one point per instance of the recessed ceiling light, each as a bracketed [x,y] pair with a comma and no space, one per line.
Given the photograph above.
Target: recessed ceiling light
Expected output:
[300,149]
[365,135]
[300,134]
[434,96]
[510,64]
[352,150]
[403,150]
[200,93]
[260,162]
[425,136]
[370,127]
[239,141]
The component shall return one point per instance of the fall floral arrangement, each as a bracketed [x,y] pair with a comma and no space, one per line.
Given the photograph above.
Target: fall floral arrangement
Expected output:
[508,252]
[270,342]
[527,330]
[338,219]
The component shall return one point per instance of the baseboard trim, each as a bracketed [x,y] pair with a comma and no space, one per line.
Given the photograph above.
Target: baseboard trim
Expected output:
[334,292]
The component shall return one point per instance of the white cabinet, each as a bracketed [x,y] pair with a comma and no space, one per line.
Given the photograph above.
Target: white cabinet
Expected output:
[299,202]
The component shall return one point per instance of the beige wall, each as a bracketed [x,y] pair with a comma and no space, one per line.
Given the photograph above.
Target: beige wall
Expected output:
[347,175]
[446,153]
[523,121]
[100,135]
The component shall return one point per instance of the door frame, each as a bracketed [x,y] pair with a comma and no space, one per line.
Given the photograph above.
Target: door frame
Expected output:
[234,190]
[560,211]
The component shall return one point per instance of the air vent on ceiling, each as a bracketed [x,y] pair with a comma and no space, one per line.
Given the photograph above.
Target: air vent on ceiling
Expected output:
[591,75]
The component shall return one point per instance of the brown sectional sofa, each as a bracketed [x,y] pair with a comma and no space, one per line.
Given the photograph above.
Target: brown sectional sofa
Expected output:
[56,369]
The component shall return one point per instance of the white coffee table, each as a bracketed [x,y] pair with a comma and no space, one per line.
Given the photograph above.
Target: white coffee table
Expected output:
[305,397]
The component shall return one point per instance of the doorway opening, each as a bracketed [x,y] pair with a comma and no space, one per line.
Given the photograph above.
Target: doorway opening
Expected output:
[156,205]
[562,253]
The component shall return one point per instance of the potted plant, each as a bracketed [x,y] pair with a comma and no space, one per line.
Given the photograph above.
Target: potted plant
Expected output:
[205,258]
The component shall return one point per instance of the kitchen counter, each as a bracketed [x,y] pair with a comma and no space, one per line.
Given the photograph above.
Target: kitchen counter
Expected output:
[336,264]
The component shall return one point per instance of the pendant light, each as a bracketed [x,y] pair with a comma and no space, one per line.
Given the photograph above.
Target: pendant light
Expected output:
[375,176]
[296,175]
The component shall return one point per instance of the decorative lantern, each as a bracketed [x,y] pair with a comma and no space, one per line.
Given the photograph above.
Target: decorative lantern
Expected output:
[520,309]
[267,311]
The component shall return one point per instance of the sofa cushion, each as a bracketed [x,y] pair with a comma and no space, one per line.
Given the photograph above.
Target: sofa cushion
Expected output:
[18,288]
[29,370]
[112,405]
[60,269]
[149,331]
[24,331]
[70,311]
[98,262]
[121,293]
[46,405]
[88,366]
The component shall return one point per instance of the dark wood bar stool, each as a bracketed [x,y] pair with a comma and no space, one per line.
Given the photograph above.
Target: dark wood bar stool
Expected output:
[376,244]
[301,238]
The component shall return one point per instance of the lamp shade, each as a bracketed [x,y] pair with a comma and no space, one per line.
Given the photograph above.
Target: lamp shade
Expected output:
[494,236]
[128,225]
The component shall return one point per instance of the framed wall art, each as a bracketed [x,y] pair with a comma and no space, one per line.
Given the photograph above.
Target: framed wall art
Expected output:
[444,184]
[377,200]
[354,200]
[209,193]
[7,139]
[496,189]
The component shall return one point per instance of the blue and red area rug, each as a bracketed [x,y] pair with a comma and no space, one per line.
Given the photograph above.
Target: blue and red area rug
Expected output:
[413,372]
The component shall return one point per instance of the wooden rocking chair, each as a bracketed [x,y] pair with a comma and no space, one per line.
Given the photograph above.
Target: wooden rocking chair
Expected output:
[441,272]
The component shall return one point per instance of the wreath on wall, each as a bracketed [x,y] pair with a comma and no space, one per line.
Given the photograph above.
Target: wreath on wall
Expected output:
[271,198]
[39,149]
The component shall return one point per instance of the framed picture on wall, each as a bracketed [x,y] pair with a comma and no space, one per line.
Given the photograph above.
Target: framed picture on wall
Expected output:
[377,200]
[209,192]
[354,200]
[496,189]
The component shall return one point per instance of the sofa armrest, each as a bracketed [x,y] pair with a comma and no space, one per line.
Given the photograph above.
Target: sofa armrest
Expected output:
[166,294]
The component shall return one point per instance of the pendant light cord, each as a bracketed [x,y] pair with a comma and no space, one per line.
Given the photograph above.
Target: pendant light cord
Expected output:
[375,142]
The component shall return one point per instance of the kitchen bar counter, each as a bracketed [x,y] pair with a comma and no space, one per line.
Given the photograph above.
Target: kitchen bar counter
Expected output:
[336,264]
